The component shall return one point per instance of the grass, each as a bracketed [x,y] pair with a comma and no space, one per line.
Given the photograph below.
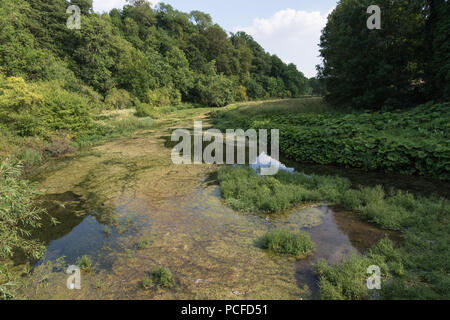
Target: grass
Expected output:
[142,244]
[298,244]
[424,223]
[245,191]
[147,283]
[163,278]
[348,279]
[113,125]
[84,263]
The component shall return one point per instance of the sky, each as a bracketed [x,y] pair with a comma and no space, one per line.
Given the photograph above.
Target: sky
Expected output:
[290,29]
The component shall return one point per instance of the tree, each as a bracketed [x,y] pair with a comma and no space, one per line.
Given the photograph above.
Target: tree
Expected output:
[438,49]
[371,68]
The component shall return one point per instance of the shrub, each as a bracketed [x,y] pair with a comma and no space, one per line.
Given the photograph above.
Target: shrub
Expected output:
[118,99]
[163,277]
[59,146]
[241,93]
[145,110]
[215,90]
[298,244]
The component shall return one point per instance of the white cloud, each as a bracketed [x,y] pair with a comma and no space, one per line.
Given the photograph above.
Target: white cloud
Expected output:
[292,35]
[107,5]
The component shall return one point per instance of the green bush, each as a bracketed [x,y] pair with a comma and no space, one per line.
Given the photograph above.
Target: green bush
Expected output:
[145,110]
[42,108]
[163,277]
[118,99]
[298,244]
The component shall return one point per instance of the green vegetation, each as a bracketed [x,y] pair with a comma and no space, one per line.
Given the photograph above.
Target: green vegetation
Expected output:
[362,69]
[84,263]
[244,190]
[423,222]
[142,244]
[347,280]
[298,244]
[413,141]
[147,283]
[18,215]
[163,278]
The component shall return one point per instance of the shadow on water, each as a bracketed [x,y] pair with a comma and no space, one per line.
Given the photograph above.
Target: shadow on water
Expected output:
[417,185]
[84,227]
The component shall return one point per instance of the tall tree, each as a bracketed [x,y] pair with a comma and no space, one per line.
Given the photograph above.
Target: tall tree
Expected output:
[371,68]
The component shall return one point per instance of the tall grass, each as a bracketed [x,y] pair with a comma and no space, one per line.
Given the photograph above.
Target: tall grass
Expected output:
[298,244]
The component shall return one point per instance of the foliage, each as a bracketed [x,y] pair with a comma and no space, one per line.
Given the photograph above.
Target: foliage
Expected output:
[419,269]
[118,99]
[139,50]
[84,263]
[147,283]
[347,280]
[370,68]
[437,35]
[18,214]
[280,241]
[163,277]
[410,142]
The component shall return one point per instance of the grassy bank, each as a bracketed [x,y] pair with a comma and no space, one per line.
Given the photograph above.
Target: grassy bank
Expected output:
[416,270]
[413,141]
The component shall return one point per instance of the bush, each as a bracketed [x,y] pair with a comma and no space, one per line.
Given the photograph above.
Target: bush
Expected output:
[215,91]
[145,110]
[241,94]
[39,109]
[118,99]
[286,242]
[163,277]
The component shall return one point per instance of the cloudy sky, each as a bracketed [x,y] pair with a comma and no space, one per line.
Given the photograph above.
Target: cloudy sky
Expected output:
[288,28]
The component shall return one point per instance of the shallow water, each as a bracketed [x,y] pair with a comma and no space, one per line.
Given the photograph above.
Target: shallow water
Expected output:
[212,251]
[129,190]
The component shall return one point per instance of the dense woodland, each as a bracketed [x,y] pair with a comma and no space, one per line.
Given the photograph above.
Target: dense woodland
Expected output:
[137,56]
[405,63]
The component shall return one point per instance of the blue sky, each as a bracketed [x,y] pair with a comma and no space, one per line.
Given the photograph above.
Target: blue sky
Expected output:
[288,28]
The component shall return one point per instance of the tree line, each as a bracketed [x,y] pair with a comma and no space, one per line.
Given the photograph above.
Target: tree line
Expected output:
[406,62]
[140,55]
